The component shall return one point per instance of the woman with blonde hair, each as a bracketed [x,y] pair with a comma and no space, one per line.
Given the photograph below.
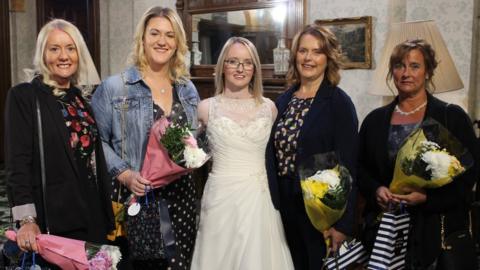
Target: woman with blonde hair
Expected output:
[315,116]
[155,85]
[239,227]
[72,200]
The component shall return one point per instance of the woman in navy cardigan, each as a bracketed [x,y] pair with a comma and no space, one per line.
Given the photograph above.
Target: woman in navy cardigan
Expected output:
[411,67]
[314,116]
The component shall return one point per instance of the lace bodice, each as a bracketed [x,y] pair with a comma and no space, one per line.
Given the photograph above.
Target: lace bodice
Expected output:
[238,131]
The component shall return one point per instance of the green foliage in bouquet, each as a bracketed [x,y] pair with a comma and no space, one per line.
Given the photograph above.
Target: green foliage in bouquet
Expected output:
[336,198]
[172,140]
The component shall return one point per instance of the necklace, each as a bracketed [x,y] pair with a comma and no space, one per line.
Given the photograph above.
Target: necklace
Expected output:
[162,91]
[399,111]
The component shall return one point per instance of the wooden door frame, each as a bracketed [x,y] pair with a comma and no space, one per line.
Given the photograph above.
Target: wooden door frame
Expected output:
[5,68]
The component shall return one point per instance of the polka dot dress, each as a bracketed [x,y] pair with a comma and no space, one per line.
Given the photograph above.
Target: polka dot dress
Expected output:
[181,196]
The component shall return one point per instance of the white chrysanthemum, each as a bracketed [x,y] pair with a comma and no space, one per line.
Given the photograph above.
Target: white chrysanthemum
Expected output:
[431,144]
[329,177]
[114,254]
[438,163]
[194,157]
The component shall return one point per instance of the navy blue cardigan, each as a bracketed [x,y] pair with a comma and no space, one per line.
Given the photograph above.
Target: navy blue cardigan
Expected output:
[330,125]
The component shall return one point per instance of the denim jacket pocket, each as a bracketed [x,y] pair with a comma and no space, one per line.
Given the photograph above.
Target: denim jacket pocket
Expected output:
[126,103]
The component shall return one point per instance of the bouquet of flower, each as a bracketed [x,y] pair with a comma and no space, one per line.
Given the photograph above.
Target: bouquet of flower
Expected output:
[430,157]
[74,254]
[325,186]
[169,148]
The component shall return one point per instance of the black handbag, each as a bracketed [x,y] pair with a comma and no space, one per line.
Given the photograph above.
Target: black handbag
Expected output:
[458,250]
[149,232]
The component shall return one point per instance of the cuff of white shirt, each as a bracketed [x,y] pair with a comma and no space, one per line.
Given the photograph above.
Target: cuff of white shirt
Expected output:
[21,211]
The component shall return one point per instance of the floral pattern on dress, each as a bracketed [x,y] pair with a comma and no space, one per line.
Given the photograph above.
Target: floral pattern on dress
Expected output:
[82,129]
[286,134]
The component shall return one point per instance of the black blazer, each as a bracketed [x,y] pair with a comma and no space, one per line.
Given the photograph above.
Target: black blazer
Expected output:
[66,204]
[330,125]
[376,170]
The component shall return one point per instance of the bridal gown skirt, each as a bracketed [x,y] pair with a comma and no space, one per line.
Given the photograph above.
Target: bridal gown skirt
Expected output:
[239,227]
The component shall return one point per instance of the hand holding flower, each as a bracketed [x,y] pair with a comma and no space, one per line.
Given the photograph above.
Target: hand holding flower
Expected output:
[334,238]
[133,181]
[413,196]
[26,237]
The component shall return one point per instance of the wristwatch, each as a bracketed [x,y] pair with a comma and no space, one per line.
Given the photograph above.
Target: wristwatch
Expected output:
[27,219]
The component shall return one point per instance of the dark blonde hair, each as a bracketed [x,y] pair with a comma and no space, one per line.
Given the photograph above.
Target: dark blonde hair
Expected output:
[402,49]
[329,46]
[178,71]
[255,85]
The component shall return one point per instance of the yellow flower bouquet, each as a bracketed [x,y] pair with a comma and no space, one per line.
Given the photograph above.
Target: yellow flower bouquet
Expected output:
[430,157]
[325,186]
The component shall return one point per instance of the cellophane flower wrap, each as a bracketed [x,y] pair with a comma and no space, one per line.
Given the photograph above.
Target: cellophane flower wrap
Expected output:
[172,151]
[430,157]
[74,254]
[325,185]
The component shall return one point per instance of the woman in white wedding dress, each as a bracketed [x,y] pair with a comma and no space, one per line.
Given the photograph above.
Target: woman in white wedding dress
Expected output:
[239,227]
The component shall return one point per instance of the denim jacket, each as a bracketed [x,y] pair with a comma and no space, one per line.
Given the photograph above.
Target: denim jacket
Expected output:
[124,102]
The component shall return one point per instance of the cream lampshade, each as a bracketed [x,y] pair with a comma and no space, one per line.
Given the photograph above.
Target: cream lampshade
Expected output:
[445,77]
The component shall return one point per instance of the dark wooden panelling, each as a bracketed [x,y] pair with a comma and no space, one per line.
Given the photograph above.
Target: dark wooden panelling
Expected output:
[5,69]
[202,75]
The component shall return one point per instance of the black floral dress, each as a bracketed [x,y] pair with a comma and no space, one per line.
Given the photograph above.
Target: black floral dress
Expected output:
[286,134]
[182,199]
[82,133]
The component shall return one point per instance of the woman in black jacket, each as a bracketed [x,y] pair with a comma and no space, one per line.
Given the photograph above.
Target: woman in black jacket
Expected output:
[314,116]
[411,67]
[77,203]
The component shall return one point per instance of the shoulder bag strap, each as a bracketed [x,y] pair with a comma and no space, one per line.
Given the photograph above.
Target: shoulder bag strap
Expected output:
[42,163]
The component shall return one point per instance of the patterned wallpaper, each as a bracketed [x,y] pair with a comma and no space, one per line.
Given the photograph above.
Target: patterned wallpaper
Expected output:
[454,19]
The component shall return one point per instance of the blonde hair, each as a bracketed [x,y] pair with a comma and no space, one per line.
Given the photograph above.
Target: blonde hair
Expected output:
[255,85]
[329,46]
[86,72]
[178,71]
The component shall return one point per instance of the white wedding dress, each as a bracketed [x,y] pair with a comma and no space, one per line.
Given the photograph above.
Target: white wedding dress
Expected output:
[239,227]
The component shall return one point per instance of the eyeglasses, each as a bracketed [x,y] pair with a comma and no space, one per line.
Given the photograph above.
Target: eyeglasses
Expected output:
[235,64]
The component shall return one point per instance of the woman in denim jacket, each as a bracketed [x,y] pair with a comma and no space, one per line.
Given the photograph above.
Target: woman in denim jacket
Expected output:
[127,104]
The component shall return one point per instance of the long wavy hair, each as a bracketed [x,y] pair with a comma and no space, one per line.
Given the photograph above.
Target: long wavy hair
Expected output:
[178,71]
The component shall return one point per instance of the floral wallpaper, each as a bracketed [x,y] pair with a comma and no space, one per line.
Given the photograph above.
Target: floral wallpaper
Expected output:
[454,19]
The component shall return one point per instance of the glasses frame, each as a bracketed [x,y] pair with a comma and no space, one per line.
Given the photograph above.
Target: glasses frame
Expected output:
[227,65]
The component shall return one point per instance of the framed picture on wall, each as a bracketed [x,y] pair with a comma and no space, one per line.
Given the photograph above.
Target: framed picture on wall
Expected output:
[355,38]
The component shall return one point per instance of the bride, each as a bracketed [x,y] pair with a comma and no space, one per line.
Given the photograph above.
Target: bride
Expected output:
[239,227]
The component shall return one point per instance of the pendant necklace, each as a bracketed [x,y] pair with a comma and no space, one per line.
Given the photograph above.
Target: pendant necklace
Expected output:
[399,111]
[162,91]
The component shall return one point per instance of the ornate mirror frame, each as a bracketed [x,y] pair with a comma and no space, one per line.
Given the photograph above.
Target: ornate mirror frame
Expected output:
[202,75]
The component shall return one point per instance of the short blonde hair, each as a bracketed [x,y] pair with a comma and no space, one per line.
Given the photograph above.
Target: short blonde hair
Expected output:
[328,45]
[178,71]
[255,85]
[39,65]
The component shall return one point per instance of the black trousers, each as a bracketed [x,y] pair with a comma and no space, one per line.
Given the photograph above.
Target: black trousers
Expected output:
[306,243]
